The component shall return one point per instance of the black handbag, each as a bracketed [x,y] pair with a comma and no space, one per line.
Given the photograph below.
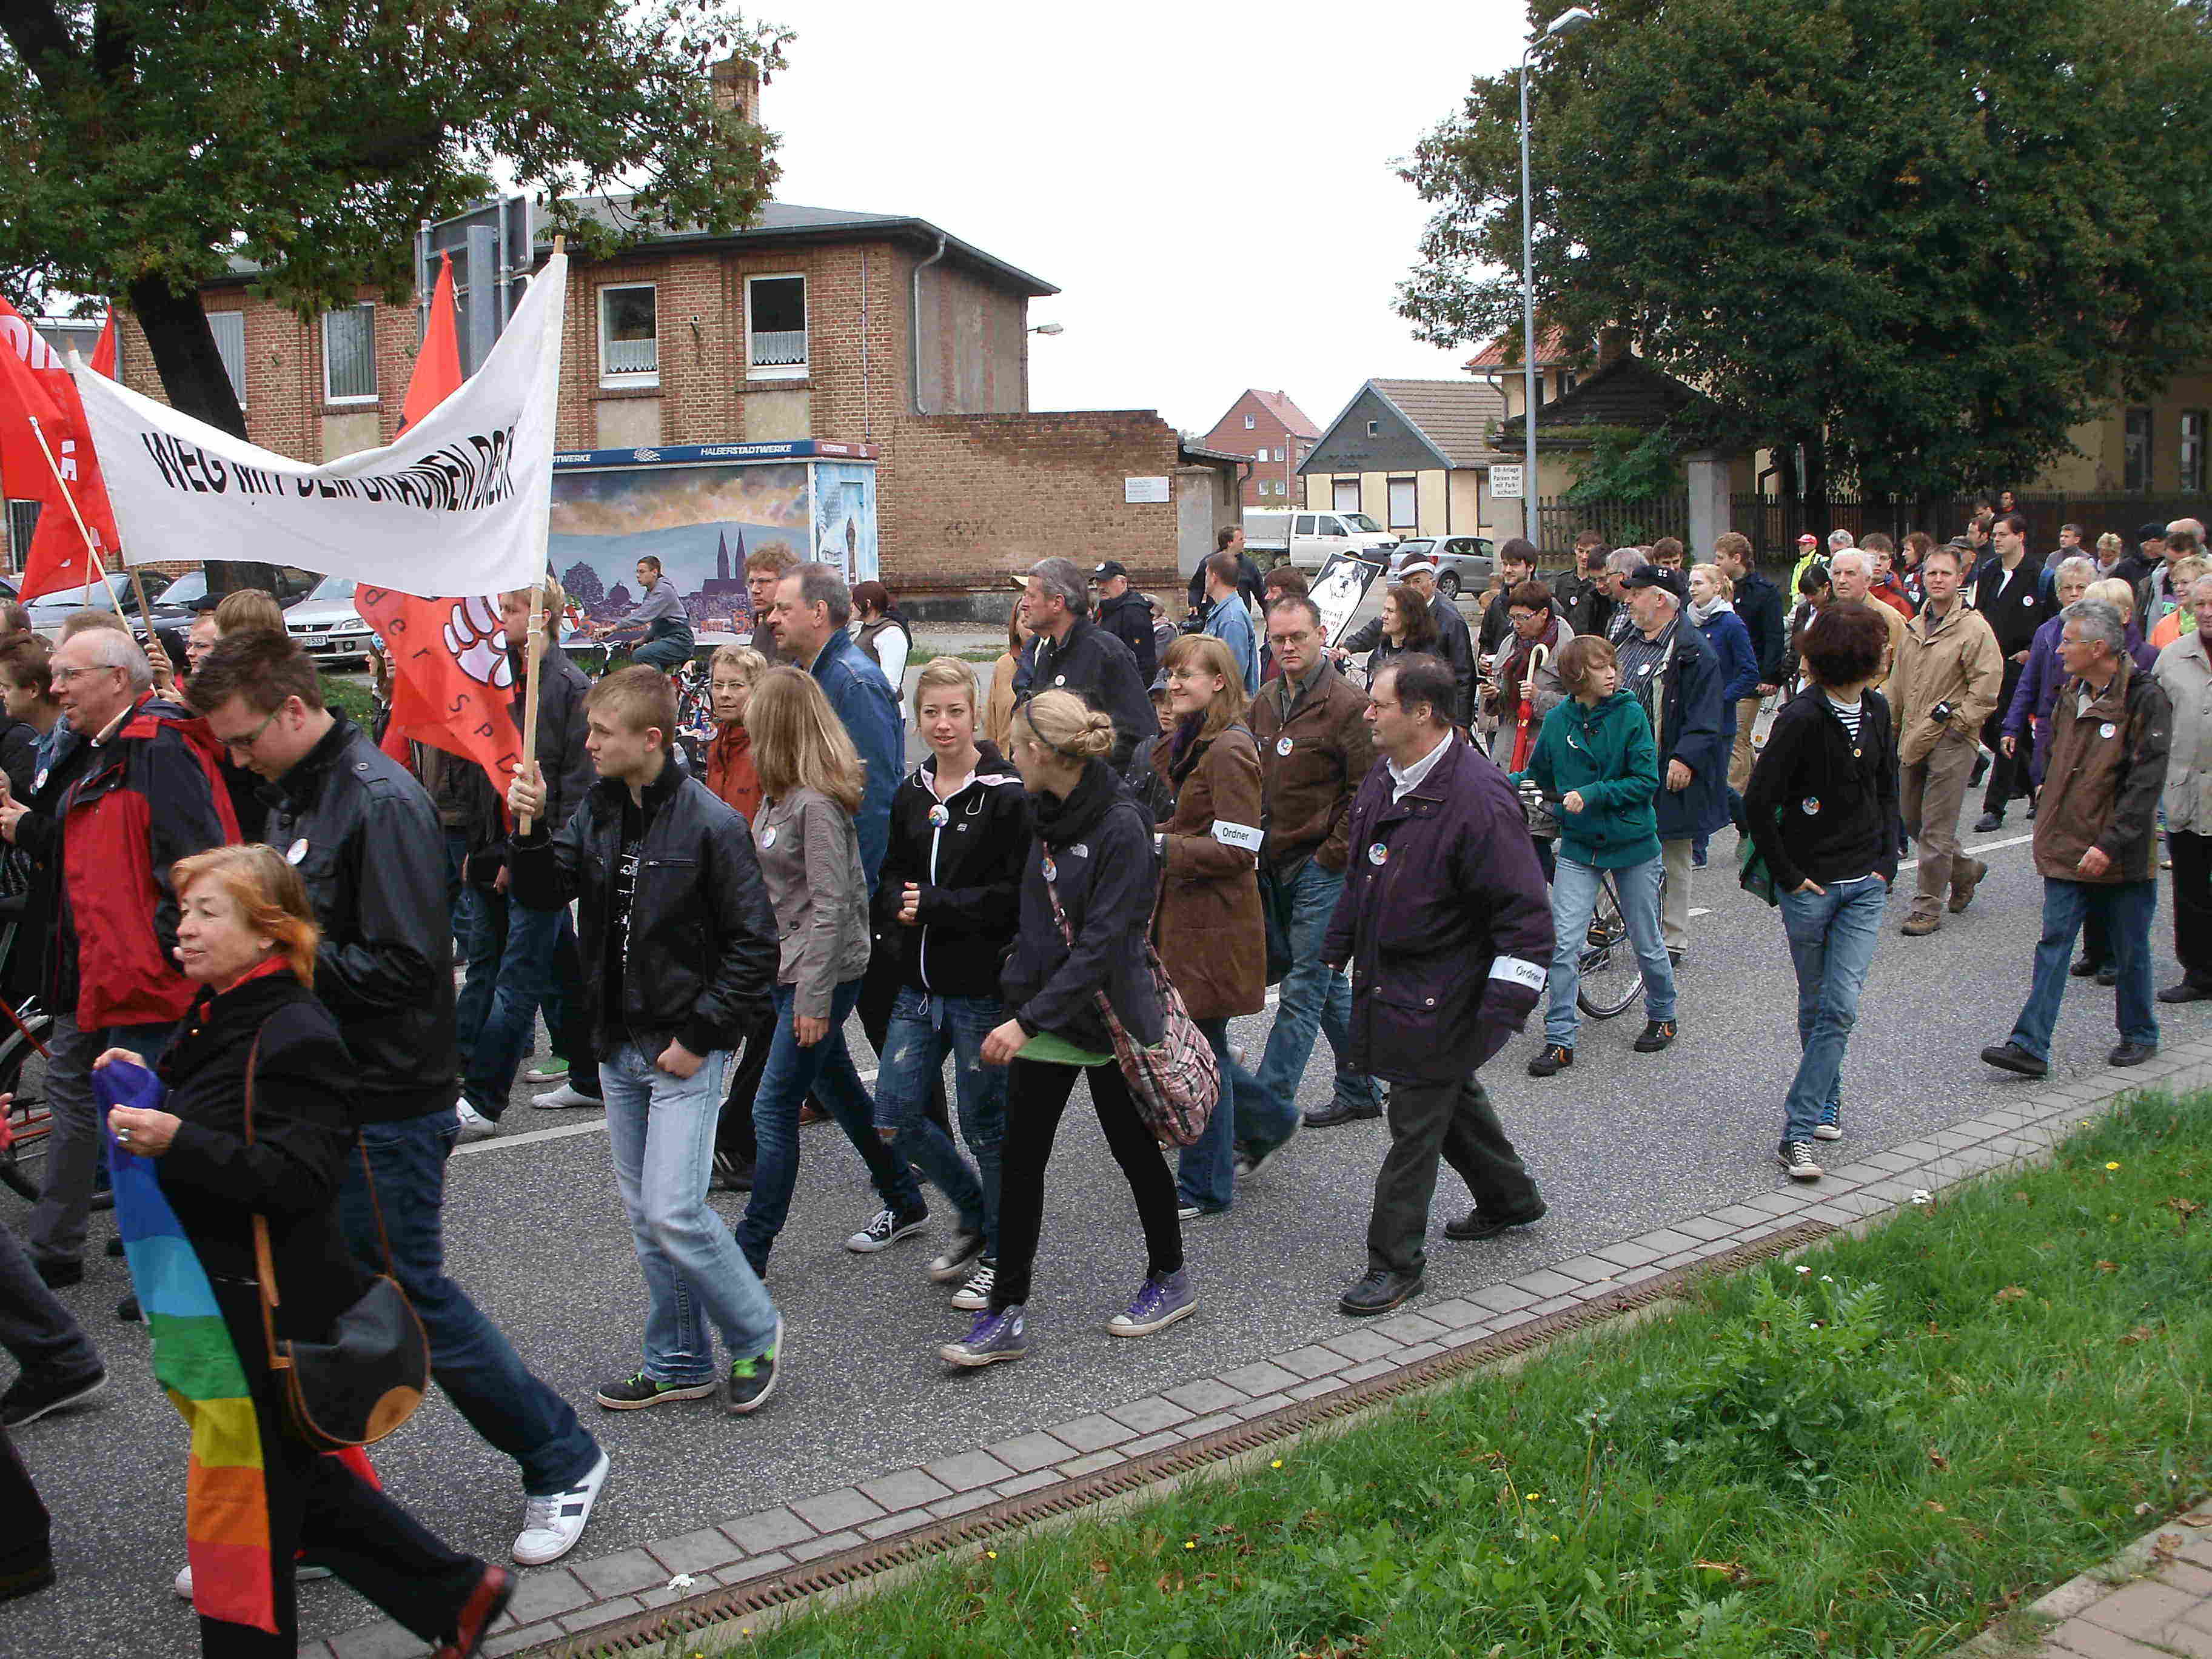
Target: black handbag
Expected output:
[369,1376]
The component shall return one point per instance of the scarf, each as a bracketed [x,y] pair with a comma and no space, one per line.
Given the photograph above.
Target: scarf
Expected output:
[226,1504]
[1702,614]
[1059,819]
[1515,668]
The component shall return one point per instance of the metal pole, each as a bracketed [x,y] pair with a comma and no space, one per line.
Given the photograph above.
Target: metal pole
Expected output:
[1528,525]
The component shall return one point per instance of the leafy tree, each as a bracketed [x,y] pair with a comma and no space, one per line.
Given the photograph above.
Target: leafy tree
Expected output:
[1921,240]
[1625,465]
[148,144]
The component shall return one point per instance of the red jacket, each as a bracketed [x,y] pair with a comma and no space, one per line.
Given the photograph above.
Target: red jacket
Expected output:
[730,771]
[150,795]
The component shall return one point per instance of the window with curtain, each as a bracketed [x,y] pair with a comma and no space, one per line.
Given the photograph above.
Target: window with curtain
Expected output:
[230,328]
[1405,505]
[349,355]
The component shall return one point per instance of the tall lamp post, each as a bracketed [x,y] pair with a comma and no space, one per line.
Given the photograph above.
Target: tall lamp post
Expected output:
[1573,18]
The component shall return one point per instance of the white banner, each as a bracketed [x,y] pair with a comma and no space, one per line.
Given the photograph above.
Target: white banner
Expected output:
[459,503]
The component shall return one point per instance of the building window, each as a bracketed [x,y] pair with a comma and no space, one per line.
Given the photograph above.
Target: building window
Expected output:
[1405,504]
[629,335]
[1251,421]
[1279,451]
[1375,429]
[1344,498]
[1568,381]
[775,328]
[1260,454]
[230,329]
[2134,451]
[349,355]
[2193,450]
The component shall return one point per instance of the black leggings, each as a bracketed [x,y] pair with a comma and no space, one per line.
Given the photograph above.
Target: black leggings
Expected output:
[1036,1095]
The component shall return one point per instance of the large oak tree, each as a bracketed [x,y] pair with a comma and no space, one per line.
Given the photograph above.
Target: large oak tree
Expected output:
[1921,238]
[147,143]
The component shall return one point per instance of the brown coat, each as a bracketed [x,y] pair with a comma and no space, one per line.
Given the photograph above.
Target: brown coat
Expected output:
[1952,659]
[2102,781]
[1207,926]
[1308,792]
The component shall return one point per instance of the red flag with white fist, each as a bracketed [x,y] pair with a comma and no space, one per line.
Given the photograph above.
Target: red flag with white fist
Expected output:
[34,382]
[453,683]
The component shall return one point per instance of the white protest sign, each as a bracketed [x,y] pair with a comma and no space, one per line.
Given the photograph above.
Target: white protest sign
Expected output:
[457,503]
[1338,590]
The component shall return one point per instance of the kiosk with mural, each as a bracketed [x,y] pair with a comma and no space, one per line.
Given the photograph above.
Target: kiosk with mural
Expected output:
[702,509]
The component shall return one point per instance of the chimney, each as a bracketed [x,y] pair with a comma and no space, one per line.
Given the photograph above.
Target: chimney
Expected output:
[737,85]
[1611,345]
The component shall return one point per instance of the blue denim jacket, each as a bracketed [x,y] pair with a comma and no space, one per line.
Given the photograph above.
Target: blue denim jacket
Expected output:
[865,700]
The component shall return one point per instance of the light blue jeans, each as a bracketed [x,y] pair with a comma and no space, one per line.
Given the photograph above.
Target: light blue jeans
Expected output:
[1574,897]
[661,1130]
[923,1029]
[1831,940]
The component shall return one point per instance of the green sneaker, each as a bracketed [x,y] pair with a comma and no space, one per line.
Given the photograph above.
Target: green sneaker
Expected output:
[637,1391]
[551,1069]
[751,1381]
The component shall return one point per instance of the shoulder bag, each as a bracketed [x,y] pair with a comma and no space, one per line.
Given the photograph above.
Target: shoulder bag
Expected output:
[369,1375]
[1175,1084]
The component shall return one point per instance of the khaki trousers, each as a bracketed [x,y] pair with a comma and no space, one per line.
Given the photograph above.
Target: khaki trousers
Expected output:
[1674,902]
[1930,791]
[1740,758]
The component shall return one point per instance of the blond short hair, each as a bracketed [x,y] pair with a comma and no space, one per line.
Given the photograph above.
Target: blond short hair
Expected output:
[948,672]
[1717,577]
[249,607]
[2116,593]
[742,658]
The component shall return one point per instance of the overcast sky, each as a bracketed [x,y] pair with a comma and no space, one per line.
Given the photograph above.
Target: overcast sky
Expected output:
[1209,184]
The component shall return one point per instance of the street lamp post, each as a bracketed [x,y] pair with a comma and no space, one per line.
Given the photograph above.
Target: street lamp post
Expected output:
[1565,23]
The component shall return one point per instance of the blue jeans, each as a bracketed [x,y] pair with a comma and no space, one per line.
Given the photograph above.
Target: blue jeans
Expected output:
[475,945]
[1206,1171]
[826,1068]
[1574,897]
[2126,909]
[527,979]
[923,1029]
[1831,940]
[475,1364]
[660,1129]
[1313,999]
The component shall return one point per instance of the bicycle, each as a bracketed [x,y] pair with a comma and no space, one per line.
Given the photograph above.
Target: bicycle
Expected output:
[28,1119]
[1611,978]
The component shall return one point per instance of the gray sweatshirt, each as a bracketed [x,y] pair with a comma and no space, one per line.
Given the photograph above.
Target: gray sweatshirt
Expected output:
[809,856]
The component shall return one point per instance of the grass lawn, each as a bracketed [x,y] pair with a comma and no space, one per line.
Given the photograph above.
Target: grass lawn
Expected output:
[1873,1452]
[351,698]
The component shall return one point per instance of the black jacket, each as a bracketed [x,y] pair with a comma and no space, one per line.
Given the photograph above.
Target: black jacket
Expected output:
[367,844]
[703,951]
[1586,605]
[1101,669]
[290,1173]
[1128,618]
[1819,806]
[1145,785]
[1101,846]
[19,746]
[2015,614]
[1759,602]
[1248,583]
[1497,622]
[1454,647]
[969,871]
[561,759]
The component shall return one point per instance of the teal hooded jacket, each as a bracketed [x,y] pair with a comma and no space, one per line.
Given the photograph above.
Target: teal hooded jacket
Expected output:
[1605,753]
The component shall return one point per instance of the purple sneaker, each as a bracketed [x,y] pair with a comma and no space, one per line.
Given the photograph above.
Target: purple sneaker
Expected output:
[1161,1300]
[993,1337]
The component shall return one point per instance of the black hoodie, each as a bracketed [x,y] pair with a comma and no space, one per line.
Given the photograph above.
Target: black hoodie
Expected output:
[969,867]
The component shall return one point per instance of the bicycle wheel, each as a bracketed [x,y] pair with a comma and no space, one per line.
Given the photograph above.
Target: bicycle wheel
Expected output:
[23,1073]
[1612,979]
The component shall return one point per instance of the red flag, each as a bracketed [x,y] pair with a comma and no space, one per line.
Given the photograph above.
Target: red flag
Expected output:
[452,685]
[35,382]
[103,349]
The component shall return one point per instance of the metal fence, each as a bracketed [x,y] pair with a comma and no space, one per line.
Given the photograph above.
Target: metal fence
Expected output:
[1624,524]
[1774,523]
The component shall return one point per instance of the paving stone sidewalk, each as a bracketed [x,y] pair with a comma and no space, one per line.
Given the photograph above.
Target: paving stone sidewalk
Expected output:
[2171,1611]
[2153,1600]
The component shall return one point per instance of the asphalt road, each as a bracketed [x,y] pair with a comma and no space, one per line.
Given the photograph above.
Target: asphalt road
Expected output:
[1622,1143]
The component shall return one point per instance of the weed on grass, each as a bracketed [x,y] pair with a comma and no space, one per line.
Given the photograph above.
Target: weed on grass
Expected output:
[1872,1451]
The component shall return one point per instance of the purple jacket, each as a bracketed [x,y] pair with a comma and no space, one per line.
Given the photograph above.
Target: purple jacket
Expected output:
[1445,919]
[2040,678]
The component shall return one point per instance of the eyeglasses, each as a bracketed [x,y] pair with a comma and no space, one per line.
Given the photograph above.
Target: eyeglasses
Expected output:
[64,676]
[245,746]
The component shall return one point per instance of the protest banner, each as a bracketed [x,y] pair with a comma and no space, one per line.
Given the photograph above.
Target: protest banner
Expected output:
[1339,589]
[461,497]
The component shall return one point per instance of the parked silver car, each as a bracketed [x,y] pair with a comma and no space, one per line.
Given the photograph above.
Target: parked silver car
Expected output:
[1464,564]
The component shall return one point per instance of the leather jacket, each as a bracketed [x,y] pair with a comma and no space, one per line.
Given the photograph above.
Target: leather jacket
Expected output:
[366,840]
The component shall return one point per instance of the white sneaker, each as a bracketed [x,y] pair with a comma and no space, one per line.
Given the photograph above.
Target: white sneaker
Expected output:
[302,1573]
[975,1295]
[474,1126]
[565,1095]
[183,1586]
[552,1524]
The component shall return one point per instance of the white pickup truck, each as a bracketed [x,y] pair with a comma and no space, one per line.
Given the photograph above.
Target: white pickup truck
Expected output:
[1306,539]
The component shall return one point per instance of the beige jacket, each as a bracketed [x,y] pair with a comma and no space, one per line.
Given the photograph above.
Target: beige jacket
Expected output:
[1895,621]
[1954,660]
[2184,673]
[810,857]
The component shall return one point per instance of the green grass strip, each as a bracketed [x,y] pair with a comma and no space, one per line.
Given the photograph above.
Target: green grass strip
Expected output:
[1873,1452]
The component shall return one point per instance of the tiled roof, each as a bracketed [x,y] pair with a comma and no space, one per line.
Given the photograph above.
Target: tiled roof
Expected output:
[1295,419]
[1505,352]
[1454,416]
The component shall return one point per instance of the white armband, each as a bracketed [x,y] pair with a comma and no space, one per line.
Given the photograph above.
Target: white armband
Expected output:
[1238,834]
[1514,971]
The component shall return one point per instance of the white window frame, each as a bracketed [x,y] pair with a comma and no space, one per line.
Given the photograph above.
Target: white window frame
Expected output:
[618,378]
[1412,487]
[1375,429]
[797,371]
[1250,421]
[221,322]
[1336,490]
[353,399]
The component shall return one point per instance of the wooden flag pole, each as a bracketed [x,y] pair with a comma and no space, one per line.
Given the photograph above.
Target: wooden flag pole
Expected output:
[534,648]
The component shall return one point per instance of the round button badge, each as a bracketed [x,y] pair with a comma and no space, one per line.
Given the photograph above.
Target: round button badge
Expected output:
[297,851]
[767,836]
[1051,870]
[938,815]
[1283,746]
[1378,855]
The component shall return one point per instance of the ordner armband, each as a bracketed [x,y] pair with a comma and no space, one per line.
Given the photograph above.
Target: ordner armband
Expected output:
[1515,971]
[1238,834]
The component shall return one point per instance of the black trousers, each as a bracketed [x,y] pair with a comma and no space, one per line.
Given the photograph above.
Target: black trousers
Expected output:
[2007,773]
[2192,903]
[318,1503]
[733,1131]
[25,1543]
[572,1041]
[1454,1122]
[1036,1094]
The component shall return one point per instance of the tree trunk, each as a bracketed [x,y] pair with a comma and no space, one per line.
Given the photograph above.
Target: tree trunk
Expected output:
[1793,504]
[191,372]
[1816,487]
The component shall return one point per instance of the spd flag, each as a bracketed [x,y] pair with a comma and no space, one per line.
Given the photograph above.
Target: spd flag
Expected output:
[35,381]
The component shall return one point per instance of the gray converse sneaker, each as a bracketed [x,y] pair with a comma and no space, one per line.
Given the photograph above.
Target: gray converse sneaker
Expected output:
[1161,1300]
[993,1337]
[976,1294]
[958,1257]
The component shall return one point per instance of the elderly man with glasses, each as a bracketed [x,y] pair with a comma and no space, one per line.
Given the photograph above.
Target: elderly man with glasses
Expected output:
[138,791]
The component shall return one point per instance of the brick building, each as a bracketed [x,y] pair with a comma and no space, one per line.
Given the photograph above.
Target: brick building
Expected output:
[813,322]
[1277,434]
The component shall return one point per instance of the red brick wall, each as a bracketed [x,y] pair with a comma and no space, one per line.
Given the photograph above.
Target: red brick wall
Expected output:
[1232,435]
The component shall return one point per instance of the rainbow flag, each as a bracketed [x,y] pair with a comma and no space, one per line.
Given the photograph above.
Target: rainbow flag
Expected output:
[226,1505]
